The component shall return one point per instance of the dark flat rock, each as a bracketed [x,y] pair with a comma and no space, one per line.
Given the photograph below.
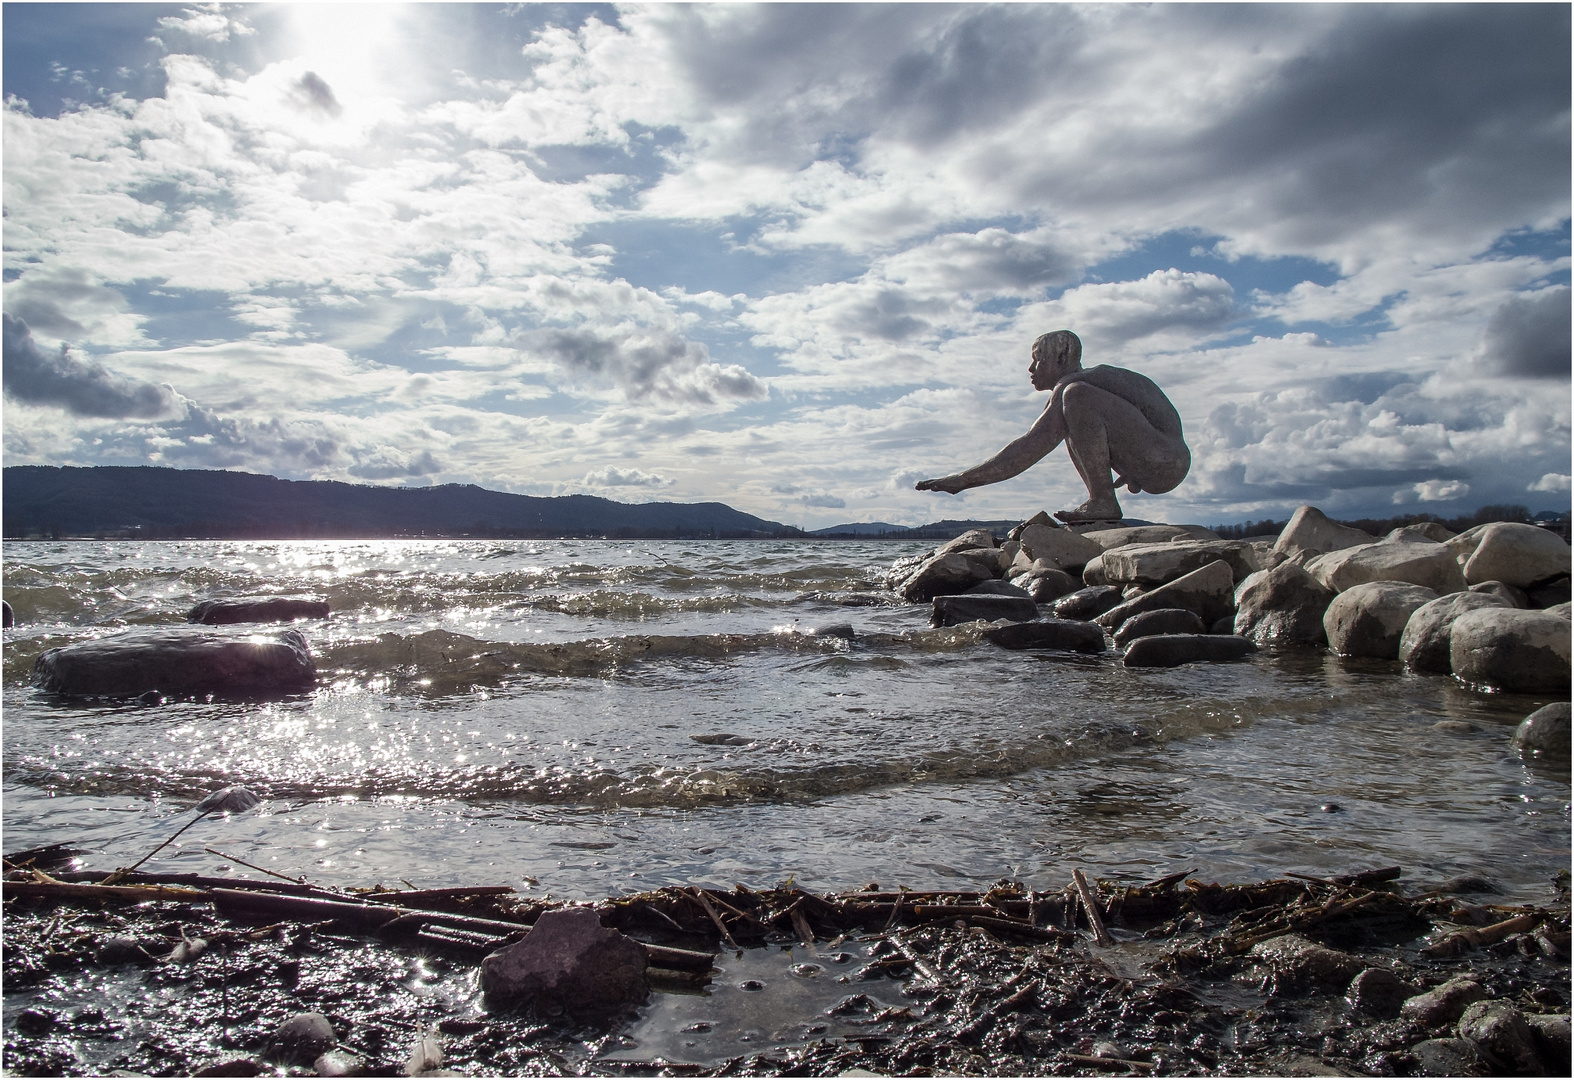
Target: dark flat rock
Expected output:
[179,660]
[1071,634]
[1159,621]
[243,609]
[954,610]
[1172,650]
[1087,603]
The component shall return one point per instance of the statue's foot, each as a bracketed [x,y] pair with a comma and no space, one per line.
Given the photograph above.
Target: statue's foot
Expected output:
[1092,510]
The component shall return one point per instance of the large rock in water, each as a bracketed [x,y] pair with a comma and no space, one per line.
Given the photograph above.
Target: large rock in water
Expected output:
[1082,637]
[955,610]
[242,609]
[1419,562]
[1282,606]
[1545,732]
[179,660]
[1172,650]
[1309,529]
[1369,619]
[568,963]
[1424,645]
[944,575]
[1511,552]
[1524,652]
[1207,591]
[1160,621]
[1157,564]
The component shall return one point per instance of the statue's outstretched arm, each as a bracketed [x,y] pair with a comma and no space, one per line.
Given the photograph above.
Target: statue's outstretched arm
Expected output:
[1015,458]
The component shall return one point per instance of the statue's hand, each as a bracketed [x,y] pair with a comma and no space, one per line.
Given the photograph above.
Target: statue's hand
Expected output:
[949,484]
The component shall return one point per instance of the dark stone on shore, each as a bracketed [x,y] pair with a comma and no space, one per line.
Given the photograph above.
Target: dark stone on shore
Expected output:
[1226,625]
[1446,1057]
[1545,732]
[1087,603]
[1160,621]
[249,609]
[178,660]
[1172,650]
[1552,1041]
[1306,961]
[1071,634]
[303,1037]
[1443,1004]
[1467,883]
[1549,594]
[955,610]
[568,963]
[1379,992]
[1209,591]
[1500,1035]
[7,618]
[998,588]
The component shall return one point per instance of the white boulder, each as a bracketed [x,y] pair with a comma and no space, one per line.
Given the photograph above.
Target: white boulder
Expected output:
[1309,529]
[1419,562]
[1516,554]
[1424,646]
[1369,619]
[1511,649]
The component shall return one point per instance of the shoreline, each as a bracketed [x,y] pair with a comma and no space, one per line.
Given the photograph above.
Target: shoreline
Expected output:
[1272,978]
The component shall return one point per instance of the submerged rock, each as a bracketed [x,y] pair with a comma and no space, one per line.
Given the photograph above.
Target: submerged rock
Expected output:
[1369,619]
[568,963]
[1509,649]
[179,660]
[1071,634]
[1424,645]
[1172,650]
[1282,606]
[1447,1057]
[955,610]
[1545,732]
[243,609]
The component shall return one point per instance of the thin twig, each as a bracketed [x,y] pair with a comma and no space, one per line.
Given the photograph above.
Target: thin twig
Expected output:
[699,895]
[123,871]
[254,866]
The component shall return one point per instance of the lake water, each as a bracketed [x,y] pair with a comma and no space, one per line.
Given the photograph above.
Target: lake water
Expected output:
[590,718]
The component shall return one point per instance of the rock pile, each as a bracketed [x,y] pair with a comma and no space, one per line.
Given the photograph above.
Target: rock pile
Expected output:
[1489,606]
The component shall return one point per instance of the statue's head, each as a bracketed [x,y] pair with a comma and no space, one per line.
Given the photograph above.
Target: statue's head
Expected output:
[1055,355]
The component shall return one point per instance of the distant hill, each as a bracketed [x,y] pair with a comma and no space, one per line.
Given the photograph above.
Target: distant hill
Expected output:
[863,529]
[148,502]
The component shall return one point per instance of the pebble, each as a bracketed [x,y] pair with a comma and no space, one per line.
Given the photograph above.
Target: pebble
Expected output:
[1444,1004]
[304,1037]
[1500,1034]
[1379,992]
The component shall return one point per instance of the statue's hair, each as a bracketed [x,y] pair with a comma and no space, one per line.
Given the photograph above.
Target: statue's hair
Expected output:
[1059,345]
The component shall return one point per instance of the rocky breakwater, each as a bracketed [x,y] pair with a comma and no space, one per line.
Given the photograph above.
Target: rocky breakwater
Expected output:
[1489,606]
[181,661]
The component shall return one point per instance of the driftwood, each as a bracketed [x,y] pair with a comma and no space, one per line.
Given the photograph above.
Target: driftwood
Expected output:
[1090,905]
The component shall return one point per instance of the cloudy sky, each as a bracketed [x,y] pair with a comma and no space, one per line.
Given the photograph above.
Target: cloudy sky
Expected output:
[792,257]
